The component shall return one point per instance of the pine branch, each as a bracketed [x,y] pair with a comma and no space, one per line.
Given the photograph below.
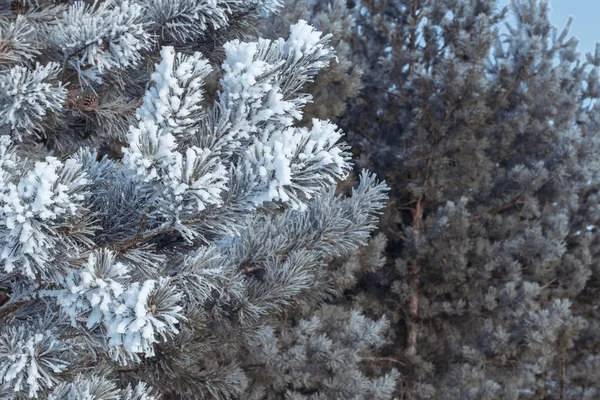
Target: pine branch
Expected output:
[516,201]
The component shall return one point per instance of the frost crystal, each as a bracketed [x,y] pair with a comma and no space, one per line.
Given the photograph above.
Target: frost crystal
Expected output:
[105,35]
[287,164]
[293,158]
[101,290]
[187,19]
[89,387]
[26,95]
[29,358]
[48,193]
[190,178]
[14,41]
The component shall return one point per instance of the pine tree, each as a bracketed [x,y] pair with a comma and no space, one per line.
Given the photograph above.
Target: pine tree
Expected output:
[488,138]
[340,81]
[330,352]
[73,73]
[167,272]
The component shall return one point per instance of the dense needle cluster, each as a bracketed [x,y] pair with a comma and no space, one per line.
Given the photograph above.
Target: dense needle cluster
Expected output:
[180,217]
[161,272]
[484,122]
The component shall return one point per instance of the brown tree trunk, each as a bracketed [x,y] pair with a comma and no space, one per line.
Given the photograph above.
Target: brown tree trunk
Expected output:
[413,302]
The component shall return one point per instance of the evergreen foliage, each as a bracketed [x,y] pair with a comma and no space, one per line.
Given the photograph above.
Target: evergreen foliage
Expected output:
[180,217]
[95,58]
[319,355]
[166,273]
[488,138]
[340,80]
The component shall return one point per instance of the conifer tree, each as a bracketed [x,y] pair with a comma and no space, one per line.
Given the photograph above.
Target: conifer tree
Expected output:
[488,138]
[172,271]
[73,73]
[340,81]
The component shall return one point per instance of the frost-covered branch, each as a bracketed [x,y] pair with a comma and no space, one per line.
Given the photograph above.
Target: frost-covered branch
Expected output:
[27,95]
[103,35]
[159,267]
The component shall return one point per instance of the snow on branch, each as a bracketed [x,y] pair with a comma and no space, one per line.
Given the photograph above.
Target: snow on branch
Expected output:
[26,95]
[185,20]
[292,165]
[15,42]
[93,386]
[258,104]
[190,178]
[32,208]
[259,100]
[30,358]
[109,34]
[134,315]
[174,102]
[261,80]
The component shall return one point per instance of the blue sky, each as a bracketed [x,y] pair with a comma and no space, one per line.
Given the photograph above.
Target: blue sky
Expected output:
[585,26]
